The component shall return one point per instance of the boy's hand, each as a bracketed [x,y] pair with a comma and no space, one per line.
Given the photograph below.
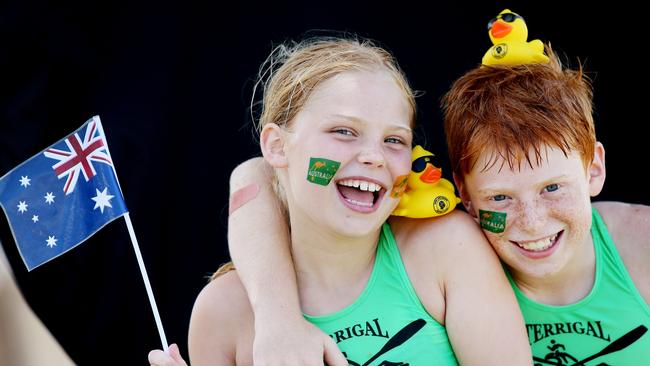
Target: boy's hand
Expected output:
[293,343]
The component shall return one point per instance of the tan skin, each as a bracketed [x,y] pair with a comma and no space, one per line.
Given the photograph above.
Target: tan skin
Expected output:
[628,224]
[333,247]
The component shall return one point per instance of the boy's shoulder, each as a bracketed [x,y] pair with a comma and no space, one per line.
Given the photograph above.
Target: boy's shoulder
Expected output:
[629,227]
[628,224]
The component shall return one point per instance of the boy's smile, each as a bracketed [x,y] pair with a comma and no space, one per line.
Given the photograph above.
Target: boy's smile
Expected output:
[547,207]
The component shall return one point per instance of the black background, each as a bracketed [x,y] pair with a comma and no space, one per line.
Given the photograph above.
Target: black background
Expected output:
[172,82]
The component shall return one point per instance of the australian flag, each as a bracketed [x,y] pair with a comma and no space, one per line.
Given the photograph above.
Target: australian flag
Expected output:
[63,195]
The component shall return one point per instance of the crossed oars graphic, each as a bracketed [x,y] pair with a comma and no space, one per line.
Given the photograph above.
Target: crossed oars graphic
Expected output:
[624,341]
[400,337]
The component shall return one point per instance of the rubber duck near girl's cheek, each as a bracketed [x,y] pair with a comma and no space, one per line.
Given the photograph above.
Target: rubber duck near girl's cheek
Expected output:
[508,33]
[427,194]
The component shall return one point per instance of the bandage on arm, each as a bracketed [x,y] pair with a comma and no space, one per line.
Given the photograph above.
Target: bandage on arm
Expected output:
[258,239]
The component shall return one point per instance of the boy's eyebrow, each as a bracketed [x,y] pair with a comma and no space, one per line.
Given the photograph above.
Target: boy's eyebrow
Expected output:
[363,122]
[551,180]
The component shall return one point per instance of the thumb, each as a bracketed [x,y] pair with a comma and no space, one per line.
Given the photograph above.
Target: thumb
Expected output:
[175,354]
[333,356]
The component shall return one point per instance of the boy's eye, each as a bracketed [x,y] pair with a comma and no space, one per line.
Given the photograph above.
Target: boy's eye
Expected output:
[552,187]
[499,197]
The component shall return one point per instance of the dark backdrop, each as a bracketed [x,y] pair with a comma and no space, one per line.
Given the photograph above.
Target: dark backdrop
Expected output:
[172,82]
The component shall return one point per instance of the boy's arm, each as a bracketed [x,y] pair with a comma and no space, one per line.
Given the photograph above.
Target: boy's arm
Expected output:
[258,239]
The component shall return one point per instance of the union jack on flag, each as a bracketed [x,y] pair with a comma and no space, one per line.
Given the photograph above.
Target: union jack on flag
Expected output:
[79,155]
[50,210]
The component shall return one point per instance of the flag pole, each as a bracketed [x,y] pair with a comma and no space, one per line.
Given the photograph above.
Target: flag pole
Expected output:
[143,270]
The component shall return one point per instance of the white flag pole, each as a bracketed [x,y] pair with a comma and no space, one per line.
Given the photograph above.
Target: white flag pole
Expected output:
[143,270]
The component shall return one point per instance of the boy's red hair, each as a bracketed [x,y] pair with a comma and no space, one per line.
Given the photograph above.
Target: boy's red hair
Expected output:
[512,112]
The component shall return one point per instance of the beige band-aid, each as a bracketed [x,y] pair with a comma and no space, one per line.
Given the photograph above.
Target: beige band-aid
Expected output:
[242,196]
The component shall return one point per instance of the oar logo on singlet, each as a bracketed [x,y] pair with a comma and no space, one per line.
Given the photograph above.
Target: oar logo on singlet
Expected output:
[558,355]
[395,341]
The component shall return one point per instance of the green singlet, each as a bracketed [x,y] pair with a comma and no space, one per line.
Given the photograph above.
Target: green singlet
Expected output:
[606,328]
[387,324]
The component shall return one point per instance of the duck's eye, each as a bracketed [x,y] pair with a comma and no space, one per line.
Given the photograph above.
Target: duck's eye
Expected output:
[420,163]
[509,17]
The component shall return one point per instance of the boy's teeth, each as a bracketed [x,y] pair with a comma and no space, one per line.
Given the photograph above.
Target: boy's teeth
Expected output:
[362,185]
[538,245]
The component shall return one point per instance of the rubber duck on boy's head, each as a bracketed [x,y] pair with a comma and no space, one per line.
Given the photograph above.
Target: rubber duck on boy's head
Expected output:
[508,33]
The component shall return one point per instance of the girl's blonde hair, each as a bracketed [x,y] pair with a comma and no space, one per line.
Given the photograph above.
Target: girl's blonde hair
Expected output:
[293,70]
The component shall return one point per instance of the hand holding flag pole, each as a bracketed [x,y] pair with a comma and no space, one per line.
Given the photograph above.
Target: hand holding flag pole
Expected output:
[51,211]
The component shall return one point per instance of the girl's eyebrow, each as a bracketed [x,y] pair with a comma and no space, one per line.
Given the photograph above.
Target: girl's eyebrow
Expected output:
[363,122]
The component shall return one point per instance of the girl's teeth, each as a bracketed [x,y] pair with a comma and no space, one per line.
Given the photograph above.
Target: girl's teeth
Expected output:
[361,185]
[358,203]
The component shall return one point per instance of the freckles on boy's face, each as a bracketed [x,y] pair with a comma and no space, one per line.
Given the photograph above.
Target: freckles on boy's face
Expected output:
[545,211]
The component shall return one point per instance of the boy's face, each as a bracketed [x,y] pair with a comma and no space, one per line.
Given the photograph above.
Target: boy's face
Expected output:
[547,208]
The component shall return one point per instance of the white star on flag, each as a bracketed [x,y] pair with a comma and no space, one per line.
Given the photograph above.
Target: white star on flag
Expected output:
[24,180]
[49,198]
[35,218]
[51,241]
[22,206]
[102,199]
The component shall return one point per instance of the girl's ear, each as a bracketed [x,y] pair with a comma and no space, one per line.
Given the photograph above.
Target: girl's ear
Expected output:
[596,170]
[464,197]
[272,144]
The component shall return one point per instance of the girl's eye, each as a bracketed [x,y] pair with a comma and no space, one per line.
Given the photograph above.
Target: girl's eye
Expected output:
[343,131]
[499,197]
[394,140]
[552,187]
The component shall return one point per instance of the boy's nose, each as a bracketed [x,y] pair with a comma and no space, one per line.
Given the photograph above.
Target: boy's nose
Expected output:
[532,217]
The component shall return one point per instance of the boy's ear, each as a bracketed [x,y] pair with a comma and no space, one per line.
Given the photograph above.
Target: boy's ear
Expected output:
[272,145]
[464,197]
[596,170]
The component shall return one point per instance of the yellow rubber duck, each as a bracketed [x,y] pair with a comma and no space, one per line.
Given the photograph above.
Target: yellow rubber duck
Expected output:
[427,194]
[508,33]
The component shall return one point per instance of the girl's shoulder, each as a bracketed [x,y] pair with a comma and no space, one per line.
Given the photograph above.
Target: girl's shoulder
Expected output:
[454,231]
[222,320]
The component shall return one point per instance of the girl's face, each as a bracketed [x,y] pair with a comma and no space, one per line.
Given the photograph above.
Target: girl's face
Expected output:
[547,208]
[360,119]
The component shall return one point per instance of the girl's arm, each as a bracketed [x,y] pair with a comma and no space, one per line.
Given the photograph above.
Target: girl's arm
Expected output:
[483,319]
[461,282]
[258,239]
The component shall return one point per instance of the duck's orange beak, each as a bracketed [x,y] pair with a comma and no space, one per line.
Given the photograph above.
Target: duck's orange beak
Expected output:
[431,174]
[500,29]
